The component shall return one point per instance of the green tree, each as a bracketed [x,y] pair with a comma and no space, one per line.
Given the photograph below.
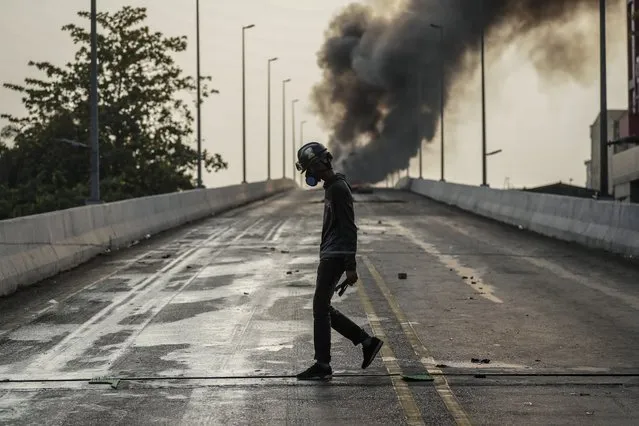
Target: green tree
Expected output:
[145,121]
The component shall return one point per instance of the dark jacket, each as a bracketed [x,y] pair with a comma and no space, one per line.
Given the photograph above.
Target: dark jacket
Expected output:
[339,232]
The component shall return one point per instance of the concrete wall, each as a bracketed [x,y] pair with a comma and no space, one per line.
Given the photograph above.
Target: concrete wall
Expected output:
[36,247]
[607,225]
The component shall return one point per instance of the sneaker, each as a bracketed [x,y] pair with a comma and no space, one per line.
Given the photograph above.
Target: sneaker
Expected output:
[316,372]
[370,350]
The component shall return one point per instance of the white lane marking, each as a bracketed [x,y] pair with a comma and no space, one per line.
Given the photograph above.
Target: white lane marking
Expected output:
[283,226]
[485,290]
[246,231]
[123,265]
[557,269]
[107,319]
[273,229]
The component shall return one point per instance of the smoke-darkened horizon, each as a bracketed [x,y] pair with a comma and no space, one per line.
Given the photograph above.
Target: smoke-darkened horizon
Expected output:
[380,92]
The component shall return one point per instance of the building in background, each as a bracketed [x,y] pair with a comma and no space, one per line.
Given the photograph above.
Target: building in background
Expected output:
[623,128]
[615,131]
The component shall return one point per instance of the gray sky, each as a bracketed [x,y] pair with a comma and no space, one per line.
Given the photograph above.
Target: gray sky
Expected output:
[542,126]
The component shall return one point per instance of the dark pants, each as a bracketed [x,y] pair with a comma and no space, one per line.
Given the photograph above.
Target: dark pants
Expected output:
[325,316]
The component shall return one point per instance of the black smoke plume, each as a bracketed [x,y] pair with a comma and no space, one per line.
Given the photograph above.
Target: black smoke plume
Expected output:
[380,92]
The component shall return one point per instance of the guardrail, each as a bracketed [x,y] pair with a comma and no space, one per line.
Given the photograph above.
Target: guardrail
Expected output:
[33,248]
[608,225]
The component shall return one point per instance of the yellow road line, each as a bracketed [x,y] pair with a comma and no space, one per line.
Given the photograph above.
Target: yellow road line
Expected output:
[441,384]
[404,394]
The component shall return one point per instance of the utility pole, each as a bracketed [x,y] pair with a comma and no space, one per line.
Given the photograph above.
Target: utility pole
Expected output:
[94,197]
[483,100]
[603,114]
[244,28]
[284,127]
[268,119]
[199,91]
[293,102]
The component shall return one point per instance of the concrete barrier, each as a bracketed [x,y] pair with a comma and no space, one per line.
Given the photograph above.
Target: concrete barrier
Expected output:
[36,247]
[607,225]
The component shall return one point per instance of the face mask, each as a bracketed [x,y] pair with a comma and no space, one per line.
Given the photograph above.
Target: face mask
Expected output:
[311,180]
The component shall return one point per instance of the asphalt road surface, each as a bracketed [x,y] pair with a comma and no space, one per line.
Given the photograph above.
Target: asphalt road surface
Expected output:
[208,323]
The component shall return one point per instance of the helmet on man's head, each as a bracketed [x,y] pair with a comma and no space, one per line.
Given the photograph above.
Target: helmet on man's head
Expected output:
[311,153]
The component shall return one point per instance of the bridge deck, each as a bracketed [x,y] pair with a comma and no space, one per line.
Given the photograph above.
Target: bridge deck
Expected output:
[205,325]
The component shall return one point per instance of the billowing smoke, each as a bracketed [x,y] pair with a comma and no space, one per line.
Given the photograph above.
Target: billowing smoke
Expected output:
[380,93]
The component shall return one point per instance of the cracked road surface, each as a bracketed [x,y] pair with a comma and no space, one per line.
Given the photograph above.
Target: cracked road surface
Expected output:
[207,323]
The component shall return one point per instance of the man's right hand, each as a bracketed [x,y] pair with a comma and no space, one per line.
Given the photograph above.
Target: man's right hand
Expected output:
[351,277]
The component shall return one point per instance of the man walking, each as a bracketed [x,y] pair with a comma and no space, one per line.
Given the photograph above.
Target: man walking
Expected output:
[337,256]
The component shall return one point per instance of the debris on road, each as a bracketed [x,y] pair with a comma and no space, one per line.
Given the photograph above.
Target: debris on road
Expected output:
[402,275]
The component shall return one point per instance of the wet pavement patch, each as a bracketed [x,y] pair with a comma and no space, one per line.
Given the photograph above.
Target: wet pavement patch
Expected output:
[209,283]
[114,285]
[300,285]
[136,319]
[65,314]
[13,351]
[181,311]
[103,347]
[142,361]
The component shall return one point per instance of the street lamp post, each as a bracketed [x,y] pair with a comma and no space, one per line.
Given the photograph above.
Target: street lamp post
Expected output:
[199,102]
[268,119]
[293,102]
[94,196]
[420,89]
[244,28]
[284,127]
[603,113]
[301,141]
[441,93]
[483,101]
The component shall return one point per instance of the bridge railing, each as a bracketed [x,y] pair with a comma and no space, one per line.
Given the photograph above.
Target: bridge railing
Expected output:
[33,248]
[607,225]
